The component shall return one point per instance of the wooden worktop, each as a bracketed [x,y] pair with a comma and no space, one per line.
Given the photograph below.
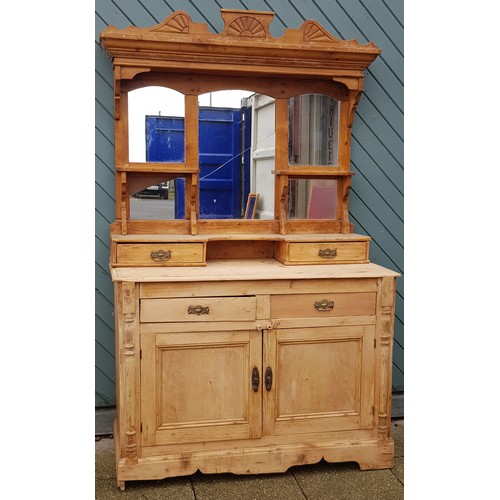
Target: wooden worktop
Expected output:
[234,270]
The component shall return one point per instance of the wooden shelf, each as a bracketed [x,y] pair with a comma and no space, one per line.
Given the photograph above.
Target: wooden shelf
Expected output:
[314,172]
[167,168]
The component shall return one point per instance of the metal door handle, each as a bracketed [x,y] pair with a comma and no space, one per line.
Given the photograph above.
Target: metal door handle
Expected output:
[268,378]
[255,379]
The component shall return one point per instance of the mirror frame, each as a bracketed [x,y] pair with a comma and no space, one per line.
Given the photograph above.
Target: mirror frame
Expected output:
[185,56]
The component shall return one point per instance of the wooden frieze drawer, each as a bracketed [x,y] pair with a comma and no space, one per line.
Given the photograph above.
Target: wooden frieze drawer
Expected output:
[160,254]
[198,309]
[323,305]
[326,252]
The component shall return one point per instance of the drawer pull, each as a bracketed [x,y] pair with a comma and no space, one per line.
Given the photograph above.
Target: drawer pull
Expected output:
[268,378]
[161,255]
[327,253]
[323,305]
[255,379]
[198,310]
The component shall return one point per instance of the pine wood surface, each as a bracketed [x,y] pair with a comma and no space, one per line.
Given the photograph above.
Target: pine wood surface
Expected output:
[231,270]
[258,360]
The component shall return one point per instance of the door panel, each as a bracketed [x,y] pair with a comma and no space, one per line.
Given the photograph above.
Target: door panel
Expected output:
[197,387]
[323,379]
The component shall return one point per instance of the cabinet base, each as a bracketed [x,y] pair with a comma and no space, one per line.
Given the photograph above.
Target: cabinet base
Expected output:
[369,454]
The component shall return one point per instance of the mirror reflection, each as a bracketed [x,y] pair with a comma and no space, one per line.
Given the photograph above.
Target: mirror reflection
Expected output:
[313,130]
[312,199]
[156,201]
[236,157]
[156,125]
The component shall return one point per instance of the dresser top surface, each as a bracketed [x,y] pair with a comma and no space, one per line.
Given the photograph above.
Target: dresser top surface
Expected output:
[255,269]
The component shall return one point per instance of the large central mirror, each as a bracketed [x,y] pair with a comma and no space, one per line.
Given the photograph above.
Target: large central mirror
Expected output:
[236,153]
[236,148]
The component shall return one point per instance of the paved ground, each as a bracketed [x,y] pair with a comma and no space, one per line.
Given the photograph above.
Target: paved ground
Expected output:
[152,208]
[322,481]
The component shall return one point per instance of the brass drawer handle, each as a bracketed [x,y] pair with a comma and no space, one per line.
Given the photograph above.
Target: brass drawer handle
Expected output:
[161,255]
[198,310]
[323,305]
[255,379]
[327,253]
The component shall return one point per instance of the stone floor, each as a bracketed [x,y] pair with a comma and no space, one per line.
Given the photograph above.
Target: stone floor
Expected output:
[321,481]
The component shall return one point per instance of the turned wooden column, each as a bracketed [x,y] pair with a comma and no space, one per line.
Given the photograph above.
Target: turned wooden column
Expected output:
[129,354]
[387,293]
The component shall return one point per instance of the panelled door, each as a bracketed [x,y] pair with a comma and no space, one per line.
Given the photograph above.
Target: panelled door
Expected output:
[322,379]
[197,386]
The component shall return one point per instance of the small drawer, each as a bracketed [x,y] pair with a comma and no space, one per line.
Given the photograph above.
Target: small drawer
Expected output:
[198,309]
[160,254]
[323,305]
[326,252]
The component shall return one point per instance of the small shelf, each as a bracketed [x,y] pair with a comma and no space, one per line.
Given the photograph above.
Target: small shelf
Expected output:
[167,168]
[314,172]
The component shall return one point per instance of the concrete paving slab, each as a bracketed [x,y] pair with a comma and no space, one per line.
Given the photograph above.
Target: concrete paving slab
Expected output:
[346,482]
[398,469]
[258,487]
[397,434]
[167,489]
[104,459]
[104,418]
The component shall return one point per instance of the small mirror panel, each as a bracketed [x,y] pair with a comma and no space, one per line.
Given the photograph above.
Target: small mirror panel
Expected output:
[312,199]
[156,125]
[313,135]
[156,201]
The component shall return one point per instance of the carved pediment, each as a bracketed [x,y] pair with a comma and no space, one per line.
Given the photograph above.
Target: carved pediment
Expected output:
[244,46]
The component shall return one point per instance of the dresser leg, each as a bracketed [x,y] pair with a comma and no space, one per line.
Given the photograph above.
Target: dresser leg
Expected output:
[121,485]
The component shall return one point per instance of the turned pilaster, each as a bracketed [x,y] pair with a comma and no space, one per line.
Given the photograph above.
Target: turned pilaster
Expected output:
[386,321]
[129,383]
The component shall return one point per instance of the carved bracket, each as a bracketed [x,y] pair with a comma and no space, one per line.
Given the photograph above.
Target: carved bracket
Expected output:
[117,90]
[345,186]
[352,102]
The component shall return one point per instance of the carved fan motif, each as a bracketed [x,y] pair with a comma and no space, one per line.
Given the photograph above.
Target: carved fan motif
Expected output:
[247,27]
[178,24]
[314,33]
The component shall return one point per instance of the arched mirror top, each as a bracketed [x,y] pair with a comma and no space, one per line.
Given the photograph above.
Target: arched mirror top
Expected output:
[198,84]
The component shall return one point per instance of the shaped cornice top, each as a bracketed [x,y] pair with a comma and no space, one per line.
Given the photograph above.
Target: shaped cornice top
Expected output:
[244,47]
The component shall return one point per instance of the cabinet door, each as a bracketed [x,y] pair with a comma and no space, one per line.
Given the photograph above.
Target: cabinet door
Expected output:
[323,379]
[197,386]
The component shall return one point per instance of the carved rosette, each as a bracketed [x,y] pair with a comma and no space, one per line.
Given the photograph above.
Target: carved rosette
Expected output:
[246,26]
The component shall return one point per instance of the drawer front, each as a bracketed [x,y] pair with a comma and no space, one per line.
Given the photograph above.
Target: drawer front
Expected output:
[328,252]
[160,254]
[198,309]
[323,305]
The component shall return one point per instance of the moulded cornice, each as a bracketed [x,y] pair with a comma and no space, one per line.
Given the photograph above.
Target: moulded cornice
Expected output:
[245,46]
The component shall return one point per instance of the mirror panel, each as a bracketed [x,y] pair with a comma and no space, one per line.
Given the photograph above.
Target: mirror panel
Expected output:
[156,201]
[313,136]
[156,125]
[236,155]
[312,199]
